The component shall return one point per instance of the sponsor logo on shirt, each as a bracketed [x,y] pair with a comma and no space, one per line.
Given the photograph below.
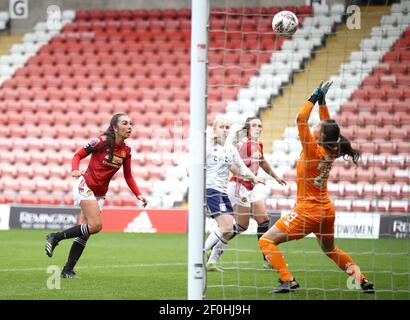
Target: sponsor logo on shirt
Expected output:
[117,160]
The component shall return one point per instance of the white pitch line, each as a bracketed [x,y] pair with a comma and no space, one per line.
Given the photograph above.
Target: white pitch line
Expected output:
[109,266]
[117,266]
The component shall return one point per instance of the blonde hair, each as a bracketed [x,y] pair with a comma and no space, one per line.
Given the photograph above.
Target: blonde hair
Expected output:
[218,119]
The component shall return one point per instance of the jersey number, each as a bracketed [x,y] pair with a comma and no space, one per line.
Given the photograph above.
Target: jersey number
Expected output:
[290,217]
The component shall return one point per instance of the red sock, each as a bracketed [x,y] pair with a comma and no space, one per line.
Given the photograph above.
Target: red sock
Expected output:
[275,257]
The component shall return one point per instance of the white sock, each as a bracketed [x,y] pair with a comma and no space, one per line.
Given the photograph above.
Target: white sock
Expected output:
[213,239]
[217,251]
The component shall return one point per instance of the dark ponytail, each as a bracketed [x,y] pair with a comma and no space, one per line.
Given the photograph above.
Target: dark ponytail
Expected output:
[345,149]
[245,131]
[110,134]
[337,143]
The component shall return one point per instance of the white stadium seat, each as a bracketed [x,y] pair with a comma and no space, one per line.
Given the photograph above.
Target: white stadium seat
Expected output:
[68,15]
[320,10]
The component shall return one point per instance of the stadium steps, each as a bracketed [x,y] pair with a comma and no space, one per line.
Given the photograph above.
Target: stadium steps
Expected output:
[6,42]
[325,63]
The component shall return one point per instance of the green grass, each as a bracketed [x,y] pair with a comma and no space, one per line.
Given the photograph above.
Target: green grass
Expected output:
[153,266]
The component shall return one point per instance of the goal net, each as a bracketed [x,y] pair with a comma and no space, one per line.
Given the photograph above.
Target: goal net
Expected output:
[365,51]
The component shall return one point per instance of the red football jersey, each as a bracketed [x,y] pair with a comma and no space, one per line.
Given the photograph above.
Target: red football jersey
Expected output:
[252,154]
[100,170]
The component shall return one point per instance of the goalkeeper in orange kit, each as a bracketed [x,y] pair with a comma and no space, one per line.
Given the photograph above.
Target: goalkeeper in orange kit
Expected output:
[314,211]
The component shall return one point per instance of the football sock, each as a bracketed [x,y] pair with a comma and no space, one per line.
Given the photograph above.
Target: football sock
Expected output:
[275,258]
[76,250]
[343,260]
[217,251]
[237,229]
[213,239]
[76,231]
[262,228]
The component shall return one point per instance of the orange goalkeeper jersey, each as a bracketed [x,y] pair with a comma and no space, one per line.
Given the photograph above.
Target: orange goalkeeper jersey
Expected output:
[313,166]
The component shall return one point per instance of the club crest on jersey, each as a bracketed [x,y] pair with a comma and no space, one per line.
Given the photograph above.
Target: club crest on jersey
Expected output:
[89,193]
[244,200]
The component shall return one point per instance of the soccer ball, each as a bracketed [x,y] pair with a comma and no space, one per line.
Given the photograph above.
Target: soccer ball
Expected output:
[285,23]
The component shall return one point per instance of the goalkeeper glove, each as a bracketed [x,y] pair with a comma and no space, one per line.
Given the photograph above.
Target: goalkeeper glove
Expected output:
[320,93]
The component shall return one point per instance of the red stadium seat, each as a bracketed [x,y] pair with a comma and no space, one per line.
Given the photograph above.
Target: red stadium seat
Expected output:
[399,133]
[390,191]
[387,148]
[371,81]
[365,119]
[405,192]
[360,205]
[376,94]
[6,198]
[350,106]
[362,94]
[365,176]
[353,190]
[399,206]
[384,175]
[28,199]
[404,118]
[368,147]
[403,147]
[381,133]
[364,133]
[371,191]
[383,106]
[381,69]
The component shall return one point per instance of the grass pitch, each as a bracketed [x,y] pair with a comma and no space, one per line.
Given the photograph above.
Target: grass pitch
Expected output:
[154,266]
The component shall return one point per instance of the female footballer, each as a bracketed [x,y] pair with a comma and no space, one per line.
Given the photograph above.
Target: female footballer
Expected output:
[314,211]
[219,158]
[247,198]
[108,154]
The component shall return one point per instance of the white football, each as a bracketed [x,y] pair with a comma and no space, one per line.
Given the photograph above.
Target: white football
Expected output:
[285,23]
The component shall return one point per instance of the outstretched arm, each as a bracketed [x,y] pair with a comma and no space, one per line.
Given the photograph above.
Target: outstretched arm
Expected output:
[320,95]
[265,165]
[323,112]
[131,182]
[306,137]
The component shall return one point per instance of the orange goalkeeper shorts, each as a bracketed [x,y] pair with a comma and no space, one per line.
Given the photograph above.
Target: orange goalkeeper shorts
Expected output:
[298,224]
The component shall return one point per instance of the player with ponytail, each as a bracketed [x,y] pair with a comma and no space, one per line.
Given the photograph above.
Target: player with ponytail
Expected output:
[108,153]
[314,211]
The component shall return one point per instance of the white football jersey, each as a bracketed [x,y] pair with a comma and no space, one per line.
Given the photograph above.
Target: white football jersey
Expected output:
[219,159]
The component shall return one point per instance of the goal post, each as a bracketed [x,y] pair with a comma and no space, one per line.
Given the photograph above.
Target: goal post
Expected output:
[196,218]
